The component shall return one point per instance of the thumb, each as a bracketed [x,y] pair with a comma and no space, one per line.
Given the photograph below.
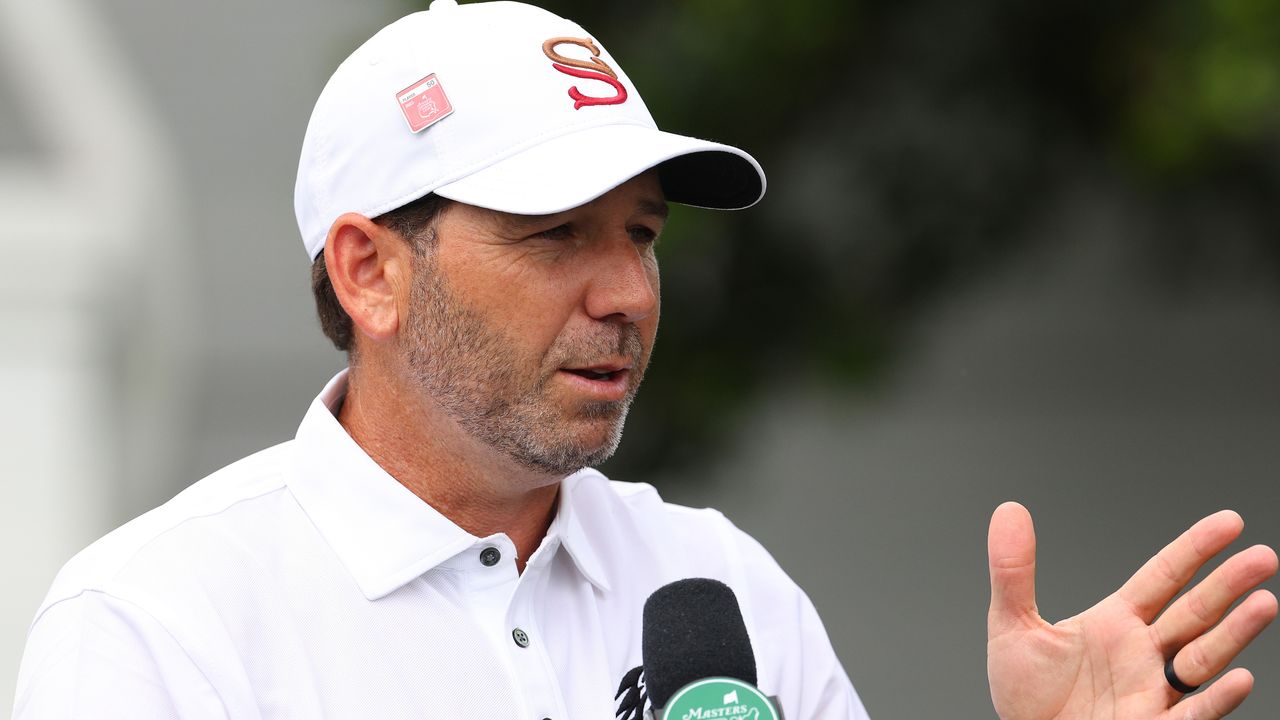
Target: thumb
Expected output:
[1011,555]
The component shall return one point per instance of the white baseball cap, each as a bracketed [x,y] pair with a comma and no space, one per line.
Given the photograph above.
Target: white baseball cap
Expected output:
[501,105]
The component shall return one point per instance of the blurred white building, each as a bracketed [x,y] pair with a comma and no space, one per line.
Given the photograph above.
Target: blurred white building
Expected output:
[93,297]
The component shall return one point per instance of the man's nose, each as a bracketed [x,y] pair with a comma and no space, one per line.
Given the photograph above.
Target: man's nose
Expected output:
[624,282]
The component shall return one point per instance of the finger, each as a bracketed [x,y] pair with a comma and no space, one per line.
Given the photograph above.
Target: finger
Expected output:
[1205,604]
[1218,700]
[1210,654]
[1011,554]
[1156,582]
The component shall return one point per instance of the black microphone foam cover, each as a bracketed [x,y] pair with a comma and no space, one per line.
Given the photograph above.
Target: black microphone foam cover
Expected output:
[693,629]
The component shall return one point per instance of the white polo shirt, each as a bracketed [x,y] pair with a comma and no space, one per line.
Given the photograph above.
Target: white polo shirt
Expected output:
[306,582]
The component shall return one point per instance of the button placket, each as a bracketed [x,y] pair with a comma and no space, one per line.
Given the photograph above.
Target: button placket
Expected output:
[541,686]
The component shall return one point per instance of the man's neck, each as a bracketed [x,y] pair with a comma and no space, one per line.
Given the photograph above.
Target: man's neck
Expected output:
[465,480]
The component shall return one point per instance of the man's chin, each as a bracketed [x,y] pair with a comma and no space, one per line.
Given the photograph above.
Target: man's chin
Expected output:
[561,464]
[591,446]
[611,412]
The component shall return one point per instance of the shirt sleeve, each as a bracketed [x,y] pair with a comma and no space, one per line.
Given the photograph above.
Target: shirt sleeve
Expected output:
[98,656]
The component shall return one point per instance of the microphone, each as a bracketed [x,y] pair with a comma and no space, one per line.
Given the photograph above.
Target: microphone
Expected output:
[697,656]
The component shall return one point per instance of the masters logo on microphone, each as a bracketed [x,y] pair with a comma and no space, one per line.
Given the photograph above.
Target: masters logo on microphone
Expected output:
[719,698]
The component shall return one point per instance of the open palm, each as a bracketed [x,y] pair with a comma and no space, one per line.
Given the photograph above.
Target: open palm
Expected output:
[1108,662]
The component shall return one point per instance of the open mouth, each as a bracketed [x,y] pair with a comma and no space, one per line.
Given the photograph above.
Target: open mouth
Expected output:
[603,382]
[595,374]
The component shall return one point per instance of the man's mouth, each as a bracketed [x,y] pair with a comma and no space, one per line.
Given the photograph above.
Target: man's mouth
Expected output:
[595,374]
[601,369]
[605,381]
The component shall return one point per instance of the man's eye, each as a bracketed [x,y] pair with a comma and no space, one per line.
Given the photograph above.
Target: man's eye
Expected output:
[643,235]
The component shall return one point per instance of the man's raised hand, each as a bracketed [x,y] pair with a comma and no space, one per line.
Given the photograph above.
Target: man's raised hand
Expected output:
[1108,662]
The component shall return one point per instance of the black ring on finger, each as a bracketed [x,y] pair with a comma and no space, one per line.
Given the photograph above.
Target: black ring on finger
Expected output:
[1174,682]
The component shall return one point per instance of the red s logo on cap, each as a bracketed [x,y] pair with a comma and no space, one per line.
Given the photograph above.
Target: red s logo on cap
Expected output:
[593,69]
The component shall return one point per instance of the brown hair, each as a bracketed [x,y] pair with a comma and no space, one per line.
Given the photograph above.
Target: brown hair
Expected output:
[415,222]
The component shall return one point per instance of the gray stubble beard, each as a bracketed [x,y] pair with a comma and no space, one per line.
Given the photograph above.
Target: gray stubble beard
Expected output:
[462,364]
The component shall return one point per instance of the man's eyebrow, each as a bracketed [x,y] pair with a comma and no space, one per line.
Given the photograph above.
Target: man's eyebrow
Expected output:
[516,221]
[657,208]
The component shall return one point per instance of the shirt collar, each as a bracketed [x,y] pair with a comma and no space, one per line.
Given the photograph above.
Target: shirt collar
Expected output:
[384,534]
[575,499]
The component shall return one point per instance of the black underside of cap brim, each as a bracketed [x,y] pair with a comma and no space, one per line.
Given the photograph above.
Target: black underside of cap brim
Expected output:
[710,179]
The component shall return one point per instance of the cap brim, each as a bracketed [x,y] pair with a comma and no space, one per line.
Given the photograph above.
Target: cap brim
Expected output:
[574,169]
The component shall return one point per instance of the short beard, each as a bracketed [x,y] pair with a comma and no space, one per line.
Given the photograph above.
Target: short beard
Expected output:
[471,370]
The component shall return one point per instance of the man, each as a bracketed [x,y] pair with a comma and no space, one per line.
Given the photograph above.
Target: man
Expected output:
[480,190]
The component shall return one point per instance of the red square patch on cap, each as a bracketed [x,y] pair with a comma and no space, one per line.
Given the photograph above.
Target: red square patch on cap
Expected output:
[424,103]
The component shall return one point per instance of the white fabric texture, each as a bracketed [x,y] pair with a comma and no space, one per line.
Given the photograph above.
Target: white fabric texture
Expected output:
[305,582]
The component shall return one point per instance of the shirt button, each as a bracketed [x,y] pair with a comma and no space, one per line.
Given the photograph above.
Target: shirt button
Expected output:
[521,637]
[490,556]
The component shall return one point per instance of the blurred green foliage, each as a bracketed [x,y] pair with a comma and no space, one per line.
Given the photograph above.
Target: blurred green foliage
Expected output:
[1208,75]
[908,145]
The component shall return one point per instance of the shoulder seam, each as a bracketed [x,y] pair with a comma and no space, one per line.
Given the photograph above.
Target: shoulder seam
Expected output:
[125,562]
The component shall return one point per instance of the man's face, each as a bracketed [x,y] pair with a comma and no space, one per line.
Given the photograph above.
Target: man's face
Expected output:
[533,332]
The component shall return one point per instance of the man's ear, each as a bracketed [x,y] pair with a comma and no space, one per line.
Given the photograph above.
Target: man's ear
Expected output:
[370,269]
